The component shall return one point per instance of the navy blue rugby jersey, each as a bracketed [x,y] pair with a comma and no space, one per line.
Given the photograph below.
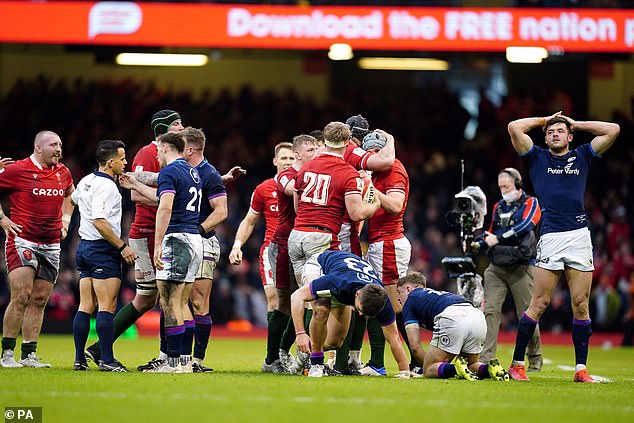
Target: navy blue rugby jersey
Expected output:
[184,182]
[212,187]
[344,274]
[560,184]
[424,304]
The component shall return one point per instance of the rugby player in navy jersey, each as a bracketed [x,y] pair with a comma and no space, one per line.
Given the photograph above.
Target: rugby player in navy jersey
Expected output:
[336,282]
[178,245]
[459,331]
[559,176]
[213,210]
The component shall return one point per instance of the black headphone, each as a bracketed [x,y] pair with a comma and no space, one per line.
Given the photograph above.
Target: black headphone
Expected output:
[515,174]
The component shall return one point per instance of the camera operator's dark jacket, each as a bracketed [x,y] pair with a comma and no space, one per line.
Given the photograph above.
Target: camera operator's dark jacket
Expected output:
[513,224]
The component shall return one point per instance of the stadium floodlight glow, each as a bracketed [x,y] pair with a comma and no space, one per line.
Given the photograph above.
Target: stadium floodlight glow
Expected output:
[402,63]
[159,59]
[526,54]
[340,51]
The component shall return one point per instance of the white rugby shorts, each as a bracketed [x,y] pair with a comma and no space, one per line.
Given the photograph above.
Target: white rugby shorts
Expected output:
[460,328]
[303,245]
[144,273]
[182,254]
[211,256]
[558,250]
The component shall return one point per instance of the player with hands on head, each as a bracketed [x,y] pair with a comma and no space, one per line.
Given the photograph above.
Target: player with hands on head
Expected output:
[559,176]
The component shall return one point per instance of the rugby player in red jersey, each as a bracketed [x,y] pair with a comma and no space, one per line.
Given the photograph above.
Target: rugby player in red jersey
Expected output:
[39,189]
[280,332]
[264,202]
[325,188]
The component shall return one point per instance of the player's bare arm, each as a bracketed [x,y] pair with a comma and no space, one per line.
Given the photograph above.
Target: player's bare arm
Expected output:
[146,178]
[139,192]
[298,301]
[393,338]
[163,215]
[8,225]
[392,202]
[245,229]
[233,174]
[605,133]
[67,211]
[413,335]
[518,130]
[384,158]
[219,212]
[105,230]
[358,210]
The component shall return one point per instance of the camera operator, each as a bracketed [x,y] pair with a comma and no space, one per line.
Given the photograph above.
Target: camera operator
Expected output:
[510,245]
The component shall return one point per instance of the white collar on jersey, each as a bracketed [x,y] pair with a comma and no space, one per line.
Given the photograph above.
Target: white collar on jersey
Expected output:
[330,153]
[35,162]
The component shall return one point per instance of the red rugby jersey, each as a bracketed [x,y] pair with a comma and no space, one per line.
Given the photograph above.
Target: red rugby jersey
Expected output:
[357,156]
[383,225]
[264,201]
[285,206]
[322,185]
[36,196]
[145,216]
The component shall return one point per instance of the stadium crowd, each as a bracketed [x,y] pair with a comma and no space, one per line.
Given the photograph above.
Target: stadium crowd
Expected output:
[242,128]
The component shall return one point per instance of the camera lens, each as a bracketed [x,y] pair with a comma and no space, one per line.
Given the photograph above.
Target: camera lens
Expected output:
[463,204]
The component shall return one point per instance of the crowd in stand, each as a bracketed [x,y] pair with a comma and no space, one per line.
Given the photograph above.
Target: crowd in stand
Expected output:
[243,126]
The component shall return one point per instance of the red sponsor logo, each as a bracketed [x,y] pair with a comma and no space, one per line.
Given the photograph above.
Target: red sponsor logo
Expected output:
[27,254]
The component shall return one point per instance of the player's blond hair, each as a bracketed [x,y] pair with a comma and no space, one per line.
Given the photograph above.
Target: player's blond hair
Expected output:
[282,145]
[336,134]
[412,278]
[194,137]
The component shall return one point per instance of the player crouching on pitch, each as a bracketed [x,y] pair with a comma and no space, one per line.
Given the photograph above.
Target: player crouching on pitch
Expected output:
[459,332]
[335,282]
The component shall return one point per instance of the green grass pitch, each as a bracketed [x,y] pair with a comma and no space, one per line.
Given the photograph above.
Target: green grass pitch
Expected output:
[238,392]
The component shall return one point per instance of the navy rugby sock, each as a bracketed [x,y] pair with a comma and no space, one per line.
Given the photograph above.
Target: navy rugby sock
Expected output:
[81,329]
[581,332]
[201,335]
[174,335]
[317,358]
[105,331]
[446,371]
[188,337]
[525,331]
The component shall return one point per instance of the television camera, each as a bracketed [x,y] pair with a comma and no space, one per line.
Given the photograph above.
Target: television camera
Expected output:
[469,209]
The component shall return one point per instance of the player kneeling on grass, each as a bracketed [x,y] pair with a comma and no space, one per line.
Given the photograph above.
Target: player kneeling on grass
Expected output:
[336,282]
[459,332]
